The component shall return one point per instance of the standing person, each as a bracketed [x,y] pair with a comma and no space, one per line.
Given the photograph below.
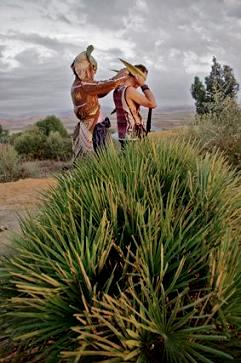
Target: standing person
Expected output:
[128,101]
[85,92]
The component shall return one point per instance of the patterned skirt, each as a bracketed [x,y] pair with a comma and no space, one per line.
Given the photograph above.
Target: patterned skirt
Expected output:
[82,140]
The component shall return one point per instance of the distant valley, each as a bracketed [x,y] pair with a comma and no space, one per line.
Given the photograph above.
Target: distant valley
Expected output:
[165,118]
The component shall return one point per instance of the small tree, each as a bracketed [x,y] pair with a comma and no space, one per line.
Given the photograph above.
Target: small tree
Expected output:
[220,81]
[51,124]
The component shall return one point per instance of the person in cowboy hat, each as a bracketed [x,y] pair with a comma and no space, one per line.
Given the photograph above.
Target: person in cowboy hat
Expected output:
[85,93]
[128,100]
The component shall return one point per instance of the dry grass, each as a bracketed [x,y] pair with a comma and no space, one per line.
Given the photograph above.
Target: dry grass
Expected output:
[46,168]
[166,133]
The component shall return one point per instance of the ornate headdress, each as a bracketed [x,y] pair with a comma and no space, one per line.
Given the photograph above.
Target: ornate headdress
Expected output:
[81,63]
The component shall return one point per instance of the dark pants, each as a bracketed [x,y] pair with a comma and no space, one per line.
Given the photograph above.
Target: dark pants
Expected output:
[100,134]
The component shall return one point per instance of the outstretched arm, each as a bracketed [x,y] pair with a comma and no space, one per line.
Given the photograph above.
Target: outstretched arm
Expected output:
[96,88]
[102,88]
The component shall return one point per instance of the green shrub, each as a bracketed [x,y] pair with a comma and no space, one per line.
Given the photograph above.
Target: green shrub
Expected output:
[11,166]
[31,144]
[220,129]
[134,257]
[51,124]
[57,147]
[4,135]
[13,137]
[9,163]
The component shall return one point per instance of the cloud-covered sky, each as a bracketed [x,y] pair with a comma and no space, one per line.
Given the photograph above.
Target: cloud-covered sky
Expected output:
[175,39]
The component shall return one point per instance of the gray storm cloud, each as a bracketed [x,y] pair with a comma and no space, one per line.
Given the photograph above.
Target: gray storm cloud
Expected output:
[176,40]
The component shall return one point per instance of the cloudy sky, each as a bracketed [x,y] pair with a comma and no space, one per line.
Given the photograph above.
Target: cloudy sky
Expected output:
[175,39]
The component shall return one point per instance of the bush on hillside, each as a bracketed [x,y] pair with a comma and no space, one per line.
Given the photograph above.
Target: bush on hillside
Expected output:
[4,135]
[14,136]
[51,124]
[57,147]
[9,163]
[31,144]
[220,129]
[134,257]
[11,166]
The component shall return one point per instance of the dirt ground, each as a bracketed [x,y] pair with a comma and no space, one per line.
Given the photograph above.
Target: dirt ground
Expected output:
[16,198]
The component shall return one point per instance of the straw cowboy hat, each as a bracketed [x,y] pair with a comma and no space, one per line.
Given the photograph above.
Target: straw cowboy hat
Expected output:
[133,69]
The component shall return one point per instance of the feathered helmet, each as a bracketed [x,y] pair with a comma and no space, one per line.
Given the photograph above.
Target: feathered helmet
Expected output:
[82,61]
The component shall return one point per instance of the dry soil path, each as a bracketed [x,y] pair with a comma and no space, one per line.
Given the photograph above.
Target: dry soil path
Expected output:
[16,198]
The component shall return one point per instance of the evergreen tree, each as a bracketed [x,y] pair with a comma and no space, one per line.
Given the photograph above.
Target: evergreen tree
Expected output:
[220,81]
[199,94]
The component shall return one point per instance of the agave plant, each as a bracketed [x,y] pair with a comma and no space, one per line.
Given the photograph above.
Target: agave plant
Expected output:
[133,257]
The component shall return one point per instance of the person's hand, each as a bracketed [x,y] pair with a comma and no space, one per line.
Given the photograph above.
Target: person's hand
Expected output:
[123,73]
[140,80]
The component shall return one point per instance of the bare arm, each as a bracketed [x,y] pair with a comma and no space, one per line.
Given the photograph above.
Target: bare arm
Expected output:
[146,99]
[101,88]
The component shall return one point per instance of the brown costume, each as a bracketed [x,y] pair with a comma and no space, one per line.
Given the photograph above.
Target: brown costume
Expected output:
[85,93]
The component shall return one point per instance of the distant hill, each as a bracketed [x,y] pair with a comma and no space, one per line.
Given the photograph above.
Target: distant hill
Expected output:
[163,118]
